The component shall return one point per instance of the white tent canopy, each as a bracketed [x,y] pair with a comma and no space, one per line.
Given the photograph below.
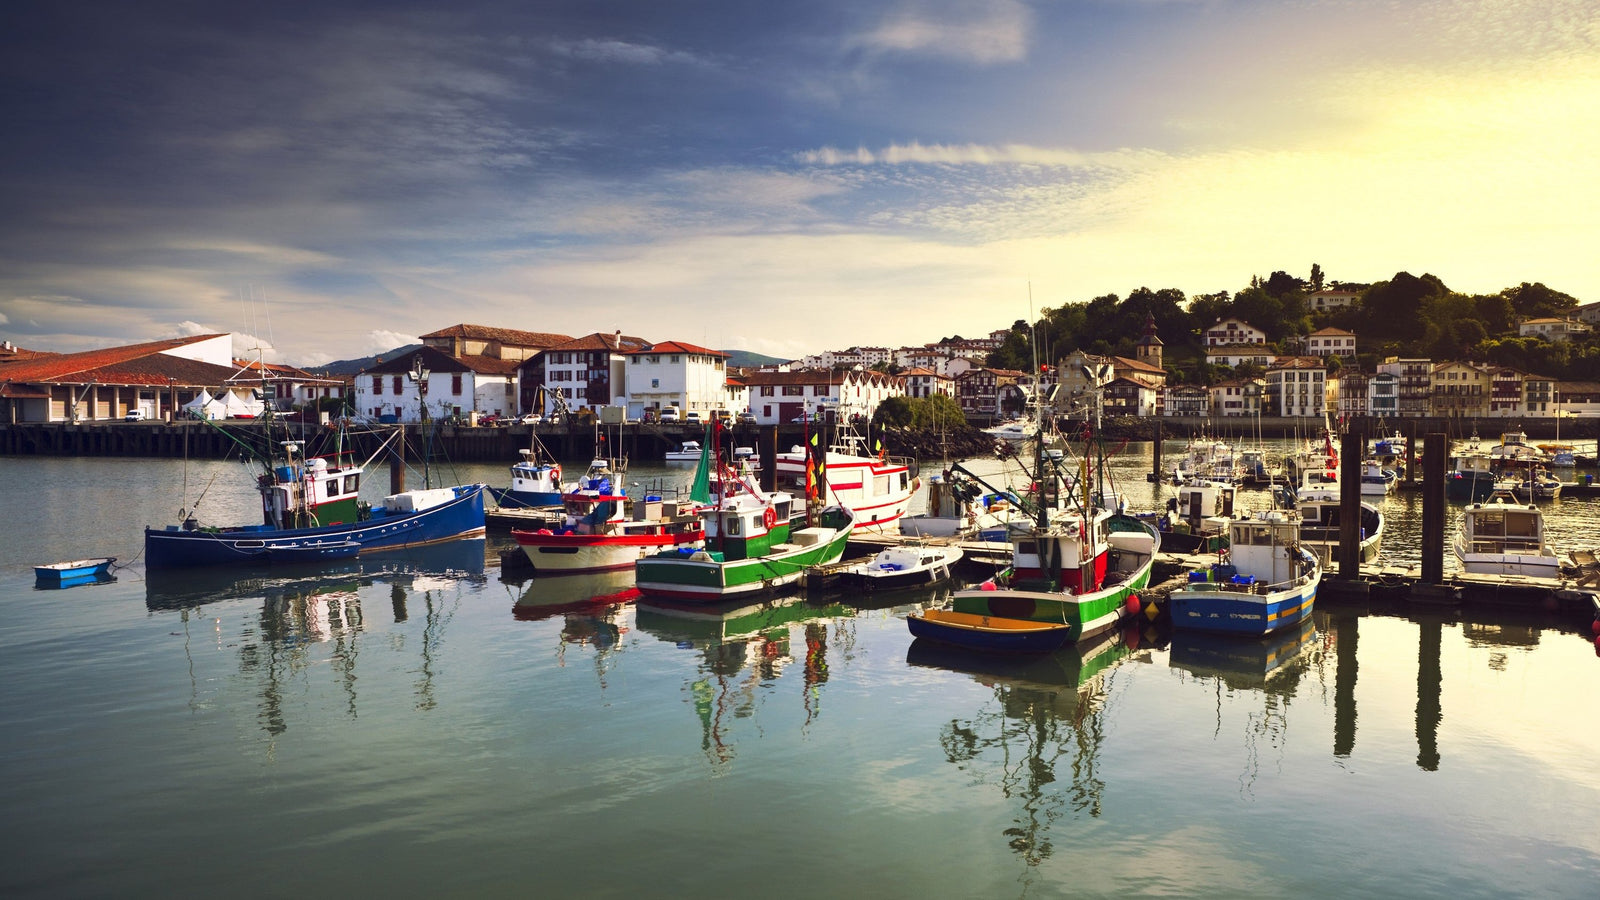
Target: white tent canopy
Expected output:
[241,407]
[205,406]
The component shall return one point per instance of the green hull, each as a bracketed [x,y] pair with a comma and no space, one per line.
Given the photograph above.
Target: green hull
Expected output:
[1087,615]
[678,577]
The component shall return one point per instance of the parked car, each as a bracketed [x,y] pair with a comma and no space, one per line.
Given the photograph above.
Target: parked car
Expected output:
[670,414]
[692,417]
[747,418]
[134,415]
[531,419]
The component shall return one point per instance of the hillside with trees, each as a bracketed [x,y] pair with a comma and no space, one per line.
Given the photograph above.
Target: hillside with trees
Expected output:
[1406,315]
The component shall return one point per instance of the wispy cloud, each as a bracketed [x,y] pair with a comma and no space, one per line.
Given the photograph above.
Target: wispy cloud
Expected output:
[624,52]
[983,32]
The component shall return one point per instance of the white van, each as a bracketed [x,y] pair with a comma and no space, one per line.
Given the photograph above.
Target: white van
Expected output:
[669,414]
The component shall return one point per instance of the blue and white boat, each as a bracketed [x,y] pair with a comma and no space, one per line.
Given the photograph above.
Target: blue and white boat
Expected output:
[310,508]
[78,571]
[1270,581]
[534,484]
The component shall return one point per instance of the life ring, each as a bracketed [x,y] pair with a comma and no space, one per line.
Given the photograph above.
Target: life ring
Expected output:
[769,518]
[555,475]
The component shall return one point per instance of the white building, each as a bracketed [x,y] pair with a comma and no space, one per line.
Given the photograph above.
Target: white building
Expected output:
[786,396]
[392,390]
[1330,298]
[1552,329]
[1297,386]
[920,382]
[585,372]
[1232,331]
[1331,342]
[673,373]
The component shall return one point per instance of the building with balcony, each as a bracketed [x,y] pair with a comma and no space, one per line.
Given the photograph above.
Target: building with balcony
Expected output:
[1331,342]
[1231,331]
[1297,386]
[1413,385]
[1460,390]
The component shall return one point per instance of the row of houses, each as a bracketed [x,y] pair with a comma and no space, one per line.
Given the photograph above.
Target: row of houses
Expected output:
[1398,388]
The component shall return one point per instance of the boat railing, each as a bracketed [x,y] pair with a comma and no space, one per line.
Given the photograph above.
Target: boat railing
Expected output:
[1503,544]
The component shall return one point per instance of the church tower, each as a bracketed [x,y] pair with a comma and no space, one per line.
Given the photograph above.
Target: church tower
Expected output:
[1149,349]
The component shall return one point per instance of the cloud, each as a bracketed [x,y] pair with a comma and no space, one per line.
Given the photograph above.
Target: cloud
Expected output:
[983,32]
[381,341]
[623,52]
[4,320]
[969,155]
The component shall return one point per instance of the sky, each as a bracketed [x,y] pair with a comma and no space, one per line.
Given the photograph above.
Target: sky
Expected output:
[333,179]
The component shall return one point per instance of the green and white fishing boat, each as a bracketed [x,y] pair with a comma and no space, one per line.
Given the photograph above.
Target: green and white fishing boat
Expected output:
[1074,567]
[754,544]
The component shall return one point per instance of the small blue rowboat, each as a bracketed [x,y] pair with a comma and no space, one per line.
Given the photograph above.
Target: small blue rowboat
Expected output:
[991,633]
[312,552]
[78,570]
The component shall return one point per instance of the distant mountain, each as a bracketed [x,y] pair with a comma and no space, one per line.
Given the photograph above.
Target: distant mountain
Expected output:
[354,366]
[745,359]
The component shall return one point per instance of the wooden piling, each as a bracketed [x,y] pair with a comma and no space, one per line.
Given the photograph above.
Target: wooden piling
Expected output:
[1434,454]
[397,465]
[1355,445]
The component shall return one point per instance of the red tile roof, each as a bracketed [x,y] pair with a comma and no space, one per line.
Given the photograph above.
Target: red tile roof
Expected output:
[679,347]
[134,364]
[539,339]
[600,341]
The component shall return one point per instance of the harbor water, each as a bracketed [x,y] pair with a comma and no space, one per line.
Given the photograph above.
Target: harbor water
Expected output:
[418,724]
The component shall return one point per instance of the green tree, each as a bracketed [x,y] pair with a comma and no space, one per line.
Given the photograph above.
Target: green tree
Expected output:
[1535,300]
[893,411]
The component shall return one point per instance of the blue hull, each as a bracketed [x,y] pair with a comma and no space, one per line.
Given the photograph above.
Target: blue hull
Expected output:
[173,547]
[1228,612]
[1041,641]
[510,499]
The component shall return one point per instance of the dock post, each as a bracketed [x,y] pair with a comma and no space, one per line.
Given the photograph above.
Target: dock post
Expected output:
[1355,445]
[1433,458]
[397,464]
[1411,452]
[1155,467]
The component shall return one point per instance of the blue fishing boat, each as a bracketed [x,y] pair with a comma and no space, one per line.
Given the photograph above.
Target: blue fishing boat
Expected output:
[310,509]
[78,571]
[1269,581]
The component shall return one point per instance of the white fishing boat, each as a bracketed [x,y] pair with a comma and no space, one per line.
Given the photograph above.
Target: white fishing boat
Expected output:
[1268,583]
[1376,481]
[1319,505]
[910,565]
[689,451]
[1015,431]
[876,489]
[1211,460]
[960,504]
[1504,537]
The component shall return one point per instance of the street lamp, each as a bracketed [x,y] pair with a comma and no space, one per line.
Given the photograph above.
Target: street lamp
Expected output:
[419,375]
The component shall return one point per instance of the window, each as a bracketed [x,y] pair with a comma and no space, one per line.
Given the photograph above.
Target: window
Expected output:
[377,385]
[397,385]
[352,483]
[455,383]
[332,488]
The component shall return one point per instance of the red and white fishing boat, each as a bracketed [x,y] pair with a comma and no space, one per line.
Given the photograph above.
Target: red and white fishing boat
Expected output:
[605,530]
[877,489]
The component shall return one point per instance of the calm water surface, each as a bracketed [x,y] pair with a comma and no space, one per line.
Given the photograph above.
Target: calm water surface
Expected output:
[418,725]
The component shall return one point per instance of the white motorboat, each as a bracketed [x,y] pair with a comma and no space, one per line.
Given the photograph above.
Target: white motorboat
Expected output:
[912,565]
[689,452]
[1504,537]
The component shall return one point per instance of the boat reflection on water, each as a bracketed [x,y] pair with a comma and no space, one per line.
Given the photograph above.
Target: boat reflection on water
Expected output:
[311,618]
[1040,740]
[1273,664]
[746,647]
[175,589]
[544,597]
[1254,682]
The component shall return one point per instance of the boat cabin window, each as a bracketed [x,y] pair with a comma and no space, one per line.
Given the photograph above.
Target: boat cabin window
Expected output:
[781,508]
[732,526]
[1489,524]
[1521,525]
[1027,547]
[352,483]
[333,488]
[880,485]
